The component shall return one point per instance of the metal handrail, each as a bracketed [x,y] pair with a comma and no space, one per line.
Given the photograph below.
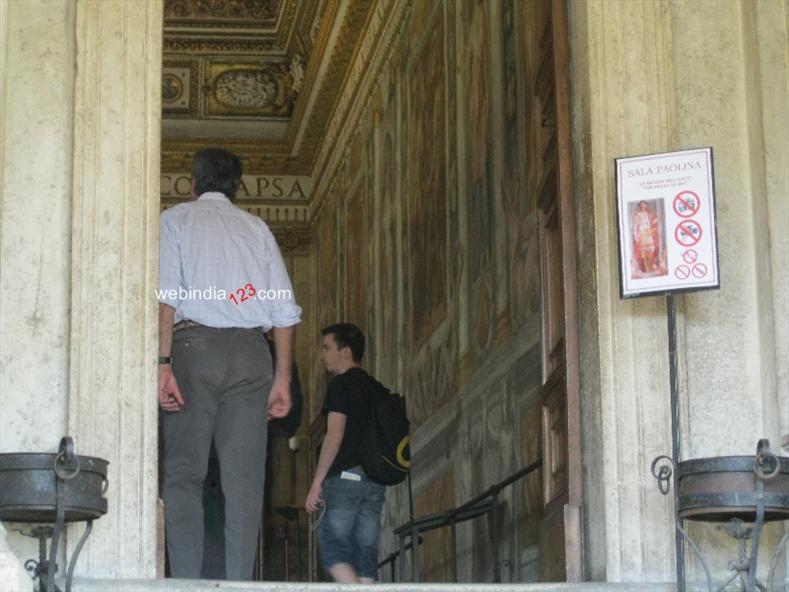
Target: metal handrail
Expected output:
[392,557]
[474,508]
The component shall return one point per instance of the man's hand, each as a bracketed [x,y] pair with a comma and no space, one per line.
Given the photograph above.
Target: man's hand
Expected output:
[314,500]
[279,402]
[170,398]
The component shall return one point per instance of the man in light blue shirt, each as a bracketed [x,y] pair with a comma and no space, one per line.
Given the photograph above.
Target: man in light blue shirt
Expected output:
[222,286]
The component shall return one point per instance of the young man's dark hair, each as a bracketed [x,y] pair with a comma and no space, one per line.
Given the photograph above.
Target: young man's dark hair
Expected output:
[347,335]
[214,169]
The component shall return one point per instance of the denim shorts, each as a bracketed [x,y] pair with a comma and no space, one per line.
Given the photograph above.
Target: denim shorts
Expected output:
[348,532]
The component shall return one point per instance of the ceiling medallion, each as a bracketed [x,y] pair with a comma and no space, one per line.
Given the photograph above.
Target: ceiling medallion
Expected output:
[246,88]
[242,90]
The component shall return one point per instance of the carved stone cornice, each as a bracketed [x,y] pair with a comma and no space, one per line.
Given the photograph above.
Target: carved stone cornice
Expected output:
[179,45]
[335,78]
[262,158]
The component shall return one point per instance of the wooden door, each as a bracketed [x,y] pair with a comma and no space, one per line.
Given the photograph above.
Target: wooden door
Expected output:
[551,171]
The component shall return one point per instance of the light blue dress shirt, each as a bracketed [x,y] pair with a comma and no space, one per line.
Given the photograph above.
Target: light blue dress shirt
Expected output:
[220,266]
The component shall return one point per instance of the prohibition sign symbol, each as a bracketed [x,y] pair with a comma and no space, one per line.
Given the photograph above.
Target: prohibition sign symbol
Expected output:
[686,204]
[690,256]
[699,270]
[688,233]
[682,272]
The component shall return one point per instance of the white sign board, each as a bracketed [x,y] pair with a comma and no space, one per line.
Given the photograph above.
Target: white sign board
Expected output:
[666,217]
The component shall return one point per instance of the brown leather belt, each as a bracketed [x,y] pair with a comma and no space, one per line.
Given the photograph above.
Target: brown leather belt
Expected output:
[186,324]
[181,325]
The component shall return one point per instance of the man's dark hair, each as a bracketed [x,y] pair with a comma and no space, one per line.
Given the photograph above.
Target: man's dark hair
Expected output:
[215,169]
[347,335]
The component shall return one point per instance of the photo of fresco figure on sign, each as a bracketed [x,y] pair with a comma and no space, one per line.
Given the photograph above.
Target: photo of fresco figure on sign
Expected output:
[648,232]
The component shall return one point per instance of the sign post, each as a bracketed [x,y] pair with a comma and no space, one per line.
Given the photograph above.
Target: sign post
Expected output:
[667,245]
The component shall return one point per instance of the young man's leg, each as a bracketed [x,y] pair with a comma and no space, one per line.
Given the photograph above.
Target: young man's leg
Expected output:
[335,532]
[343,573]
[367,528]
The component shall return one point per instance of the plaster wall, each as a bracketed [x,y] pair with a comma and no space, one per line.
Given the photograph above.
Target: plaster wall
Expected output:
[652,77]
[37,53]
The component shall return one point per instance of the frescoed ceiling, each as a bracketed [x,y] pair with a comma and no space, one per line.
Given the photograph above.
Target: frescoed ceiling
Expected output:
[259,77]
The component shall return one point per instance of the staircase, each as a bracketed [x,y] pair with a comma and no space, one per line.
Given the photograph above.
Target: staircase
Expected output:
[172,585]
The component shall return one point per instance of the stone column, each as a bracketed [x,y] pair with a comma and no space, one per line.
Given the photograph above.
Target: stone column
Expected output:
[651,77]
[112,402]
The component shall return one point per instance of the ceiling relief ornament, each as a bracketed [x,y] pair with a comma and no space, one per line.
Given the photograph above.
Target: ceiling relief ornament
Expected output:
[178,82]
[235,90]
[246,88]
[260,10]
[292,239]
[297,71]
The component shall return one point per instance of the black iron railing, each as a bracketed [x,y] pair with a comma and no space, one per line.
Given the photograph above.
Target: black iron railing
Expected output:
[485,504]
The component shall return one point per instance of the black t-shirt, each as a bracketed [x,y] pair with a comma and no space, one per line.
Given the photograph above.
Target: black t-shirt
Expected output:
[348,394]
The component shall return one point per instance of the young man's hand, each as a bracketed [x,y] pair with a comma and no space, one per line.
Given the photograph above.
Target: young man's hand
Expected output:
[314,500]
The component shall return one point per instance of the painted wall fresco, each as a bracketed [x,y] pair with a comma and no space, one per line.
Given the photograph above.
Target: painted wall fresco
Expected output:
[452,269]
[440,202]
[435,553]
[387,232]
[356,267]
[523,256]
[476,115]
[326,298]
[427,191]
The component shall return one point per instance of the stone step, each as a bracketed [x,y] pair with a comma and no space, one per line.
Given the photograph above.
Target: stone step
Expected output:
[173,585]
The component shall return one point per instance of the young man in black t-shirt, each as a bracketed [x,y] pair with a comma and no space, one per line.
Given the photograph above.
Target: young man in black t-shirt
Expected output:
[348,532]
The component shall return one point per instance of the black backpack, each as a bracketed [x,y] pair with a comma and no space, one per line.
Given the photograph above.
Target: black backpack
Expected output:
[386,452]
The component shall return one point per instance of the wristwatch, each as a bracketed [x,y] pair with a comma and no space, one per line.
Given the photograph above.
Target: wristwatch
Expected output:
[165,360]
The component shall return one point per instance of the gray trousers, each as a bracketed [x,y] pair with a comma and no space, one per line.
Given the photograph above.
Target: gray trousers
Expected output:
[224,376]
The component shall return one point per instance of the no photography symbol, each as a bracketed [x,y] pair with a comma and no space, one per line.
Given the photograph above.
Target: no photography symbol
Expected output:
[686,204]
[687,233]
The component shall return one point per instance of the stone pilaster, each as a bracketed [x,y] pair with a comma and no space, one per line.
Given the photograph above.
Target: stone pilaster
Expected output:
[112,402]
[649,77]
[623,104]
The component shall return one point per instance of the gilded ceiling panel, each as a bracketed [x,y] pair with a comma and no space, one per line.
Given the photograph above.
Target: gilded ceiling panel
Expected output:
[272,73]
